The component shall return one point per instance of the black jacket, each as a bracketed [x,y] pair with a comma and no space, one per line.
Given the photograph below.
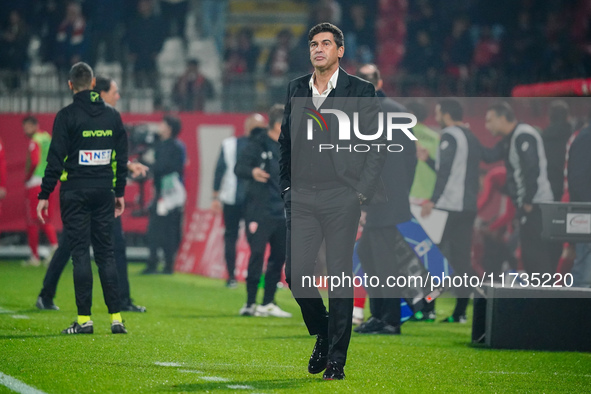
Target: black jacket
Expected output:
[361,171]
[263,200]
[88,147]
[555,138]
[398,174]
[169,157]
[579,167]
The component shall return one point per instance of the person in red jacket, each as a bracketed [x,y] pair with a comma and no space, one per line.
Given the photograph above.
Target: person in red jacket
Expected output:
[39,141]
[2,175]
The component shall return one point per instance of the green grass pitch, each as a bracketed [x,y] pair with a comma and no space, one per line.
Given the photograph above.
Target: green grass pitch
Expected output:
[192,340]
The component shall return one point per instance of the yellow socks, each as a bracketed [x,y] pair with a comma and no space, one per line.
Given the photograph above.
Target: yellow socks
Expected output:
[116,316]
[83,319]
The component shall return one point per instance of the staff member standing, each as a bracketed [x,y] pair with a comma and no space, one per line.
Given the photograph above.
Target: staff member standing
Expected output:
[456,191]
[228,190]
[164,228]
[323,192]
[259,165]
[109,92]
[88,154]
[522,149]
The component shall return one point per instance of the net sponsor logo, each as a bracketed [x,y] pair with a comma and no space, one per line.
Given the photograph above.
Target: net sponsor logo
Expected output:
[94,157]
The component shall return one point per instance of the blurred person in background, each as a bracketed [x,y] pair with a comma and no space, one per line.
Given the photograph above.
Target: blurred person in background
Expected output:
[166,210]
[456,191]
[579,188]
[105,27]
[229,191]
[555,137]
[35,169]
[72,38]
[3,175]
[174,13]
[378,244]
[145,36]
[522,149]
[192,89]
[109,92]
[14,43]
[258,164]
[425,176]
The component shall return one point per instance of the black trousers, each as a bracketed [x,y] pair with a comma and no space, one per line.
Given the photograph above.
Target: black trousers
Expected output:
[456,245]
[62,256]
[314,215]
[164,232]
[88,215]
[233,214]
[538,256]
[274,232]
[378,257]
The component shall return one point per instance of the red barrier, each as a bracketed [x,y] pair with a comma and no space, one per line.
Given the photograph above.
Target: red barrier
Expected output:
[571,87]
[12,217]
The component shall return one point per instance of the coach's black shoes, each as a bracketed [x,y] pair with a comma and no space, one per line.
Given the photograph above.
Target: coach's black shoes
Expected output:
[46,304]
[118,328]
[389,329]
[76,328]
[334,371]
[371,326]
[319,357]
[131,307]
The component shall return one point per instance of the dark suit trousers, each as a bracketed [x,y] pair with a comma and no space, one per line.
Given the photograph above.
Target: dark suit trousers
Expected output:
[314,215]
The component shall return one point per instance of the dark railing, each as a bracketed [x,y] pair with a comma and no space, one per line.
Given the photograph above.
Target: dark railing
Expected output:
[47,91]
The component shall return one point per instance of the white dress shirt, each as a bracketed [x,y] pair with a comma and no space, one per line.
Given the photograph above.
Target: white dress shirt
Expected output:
[317,97]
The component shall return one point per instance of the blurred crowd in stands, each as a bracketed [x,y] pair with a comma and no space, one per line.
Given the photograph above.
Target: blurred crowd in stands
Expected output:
[460,47]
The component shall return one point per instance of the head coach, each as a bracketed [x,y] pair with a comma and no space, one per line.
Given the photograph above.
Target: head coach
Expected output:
[323,191]
[88,154]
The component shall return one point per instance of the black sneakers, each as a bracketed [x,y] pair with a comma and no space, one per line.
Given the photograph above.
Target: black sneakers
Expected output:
[46,304]
[118,328]
[130,307]
[76,328]
[319,357]
[371,326]
[334,371]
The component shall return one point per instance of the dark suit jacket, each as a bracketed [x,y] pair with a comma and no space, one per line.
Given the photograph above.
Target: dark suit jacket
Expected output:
[398,174]
[361,171]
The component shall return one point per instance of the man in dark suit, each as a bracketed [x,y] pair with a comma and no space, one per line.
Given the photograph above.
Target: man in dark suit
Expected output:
[377,247]
[323,191]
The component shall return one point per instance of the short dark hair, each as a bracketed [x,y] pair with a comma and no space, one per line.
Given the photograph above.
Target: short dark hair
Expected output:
[81,76]
[373,77]
[339,38]
[276,114]
[174,123]
[103,84]
[418,109]
[503,109]
[558,111]
[30,119]
[453,108]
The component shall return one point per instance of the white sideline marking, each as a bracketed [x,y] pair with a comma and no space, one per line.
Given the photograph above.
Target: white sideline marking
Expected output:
[2,310]
[167,364]
[213,379]
[18,386]
[20,317]
[530,373]
[240,387]
[189,371]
